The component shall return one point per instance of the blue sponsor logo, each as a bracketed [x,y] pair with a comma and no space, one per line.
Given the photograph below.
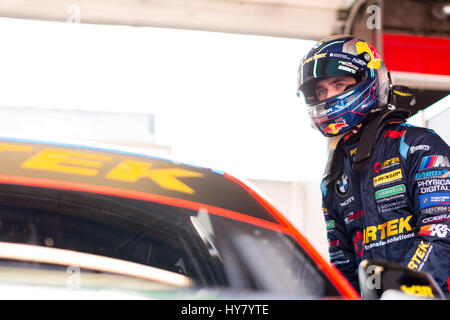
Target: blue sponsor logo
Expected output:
[433,199]
[432,174]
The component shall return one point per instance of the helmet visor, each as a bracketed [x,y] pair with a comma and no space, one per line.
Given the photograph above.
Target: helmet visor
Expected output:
[314,70]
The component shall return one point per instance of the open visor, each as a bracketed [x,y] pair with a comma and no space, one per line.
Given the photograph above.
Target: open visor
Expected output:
[314,70]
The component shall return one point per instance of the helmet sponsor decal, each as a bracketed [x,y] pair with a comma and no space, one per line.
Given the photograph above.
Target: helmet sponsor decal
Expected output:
[314,57]
[348,67]
[334,128]
[374,61]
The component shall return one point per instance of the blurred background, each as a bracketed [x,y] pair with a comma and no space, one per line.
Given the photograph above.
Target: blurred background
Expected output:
[209,82]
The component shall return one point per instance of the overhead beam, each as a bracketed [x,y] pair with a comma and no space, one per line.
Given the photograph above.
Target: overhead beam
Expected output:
[284,18]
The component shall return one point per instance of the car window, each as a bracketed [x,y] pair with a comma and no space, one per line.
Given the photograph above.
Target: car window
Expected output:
[212,250]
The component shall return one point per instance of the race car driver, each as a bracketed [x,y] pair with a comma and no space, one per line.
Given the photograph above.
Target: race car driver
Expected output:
[386,187]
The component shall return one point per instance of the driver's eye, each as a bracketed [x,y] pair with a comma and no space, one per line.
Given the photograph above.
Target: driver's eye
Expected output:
[321,93]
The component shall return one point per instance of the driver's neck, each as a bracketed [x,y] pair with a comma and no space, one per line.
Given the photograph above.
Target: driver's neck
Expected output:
[333,142]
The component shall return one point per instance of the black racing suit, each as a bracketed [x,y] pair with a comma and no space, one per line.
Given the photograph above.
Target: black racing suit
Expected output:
[398,209]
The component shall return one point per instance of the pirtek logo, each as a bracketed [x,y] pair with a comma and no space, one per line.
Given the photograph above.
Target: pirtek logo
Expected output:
[387,229]
[419,255]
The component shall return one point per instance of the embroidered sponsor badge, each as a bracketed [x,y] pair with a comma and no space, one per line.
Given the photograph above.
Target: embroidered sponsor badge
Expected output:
[329,225]
[435,161]
[435,230]
[390,176]
[433,199]
[390,191]
[343,185]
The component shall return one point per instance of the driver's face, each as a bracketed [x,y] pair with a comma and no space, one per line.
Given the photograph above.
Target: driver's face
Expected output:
[332,86]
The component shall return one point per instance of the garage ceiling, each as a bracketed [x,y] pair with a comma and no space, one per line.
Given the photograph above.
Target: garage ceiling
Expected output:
[303,19]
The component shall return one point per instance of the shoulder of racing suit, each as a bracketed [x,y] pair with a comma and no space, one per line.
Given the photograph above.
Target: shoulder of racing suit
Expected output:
[401,202]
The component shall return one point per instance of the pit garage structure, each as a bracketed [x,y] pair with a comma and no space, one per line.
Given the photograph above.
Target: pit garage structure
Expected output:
[413,36]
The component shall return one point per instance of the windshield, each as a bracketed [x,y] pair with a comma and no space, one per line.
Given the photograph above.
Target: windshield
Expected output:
[211,250]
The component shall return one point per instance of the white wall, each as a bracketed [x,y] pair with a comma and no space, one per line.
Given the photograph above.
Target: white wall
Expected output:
[301,203]
[439,123]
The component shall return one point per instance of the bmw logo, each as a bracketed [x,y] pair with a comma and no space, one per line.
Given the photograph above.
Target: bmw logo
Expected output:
[343,185]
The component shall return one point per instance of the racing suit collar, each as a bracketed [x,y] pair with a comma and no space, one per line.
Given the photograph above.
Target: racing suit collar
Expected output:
[371,131]
[366,133]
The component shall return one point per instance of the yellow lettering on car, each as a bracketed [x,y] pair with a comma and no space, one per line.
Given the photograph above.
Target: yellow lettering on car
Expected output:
[167,178]
[79,163]
[15,147]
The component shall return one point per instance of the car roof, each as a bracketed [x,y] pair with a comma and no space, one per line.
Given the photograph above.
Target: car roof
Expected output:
[120,173]
[124,173]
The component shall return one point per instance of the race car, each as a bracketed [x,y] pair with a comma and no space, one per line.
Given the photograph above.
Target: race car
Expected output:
[82,219]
